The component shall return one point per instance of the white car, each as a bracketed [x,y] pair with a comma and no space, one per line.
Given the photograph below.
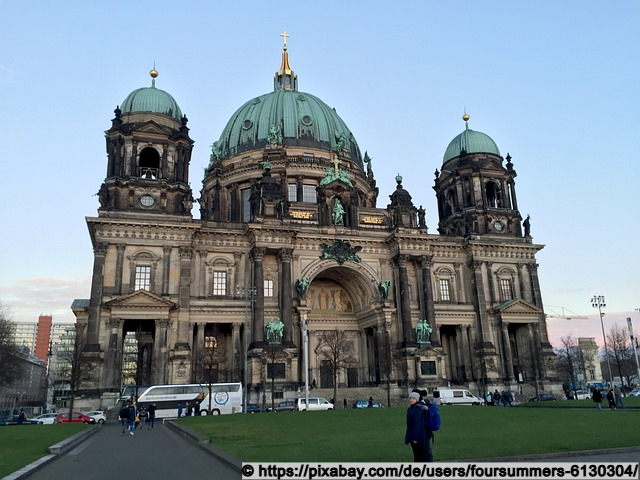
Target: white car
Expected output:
[582,395]
[46,418]
[635,392]
[97,415]
[315,403]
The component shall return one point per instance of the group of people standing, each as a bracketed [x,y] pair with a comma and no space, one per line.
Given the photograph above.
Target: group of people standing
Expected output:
[188,410]
[496,398]
[132,419]
[613,396]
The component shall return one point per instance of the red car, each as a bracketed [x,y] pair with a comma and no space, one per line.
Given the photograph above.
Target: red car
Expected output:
[75,418]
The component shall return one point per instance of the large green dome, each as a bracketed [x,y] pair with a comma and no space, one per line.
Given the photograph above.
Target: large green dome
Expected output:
[300,118]
[470,141]
[151,99]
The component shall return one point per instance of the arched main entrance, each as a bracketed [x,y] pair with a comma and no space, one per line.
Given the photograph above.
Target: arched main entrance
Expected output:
[343,318]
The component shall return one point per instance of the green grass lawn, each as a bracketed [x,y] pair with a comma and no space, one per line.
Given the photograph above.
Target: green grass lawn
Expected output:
[377,435]
[21,445]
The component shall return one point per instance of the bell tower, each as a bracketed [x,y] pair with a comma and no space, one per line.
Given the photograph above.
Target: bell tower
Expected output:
[149,151]
[475,192]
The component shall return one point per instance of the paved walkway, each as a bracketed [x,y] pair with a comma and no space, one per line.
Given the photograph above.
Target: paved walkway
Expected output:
[160,453]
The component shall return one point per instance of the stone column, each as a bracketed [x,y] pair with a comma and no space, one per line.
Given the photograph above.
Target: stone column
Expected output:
[166,268]
[537,300]
[236,350]
[427,297]
[184,297]
[119,265]
[113,353]
[160,352]
[466,352]
[405,302]
[286,295]
[480,302]
[97,279]
[257,255]
[202,285]
[491,280]
[507,350]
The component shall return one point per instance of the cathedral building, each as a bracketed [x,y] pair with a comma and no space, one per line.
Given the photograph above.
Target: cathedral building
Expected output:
[291,240]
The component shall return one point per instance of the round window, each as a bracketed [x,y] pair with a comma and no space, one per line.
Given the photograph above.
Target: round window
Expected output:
[147,200]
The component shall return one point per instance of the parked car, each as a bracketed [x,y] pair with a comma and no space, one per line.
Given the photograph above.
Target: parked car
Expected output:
[286,406]
[543,397]
[456,396]
[635,392]
[75,418]
[13,420]
[47,418]
[253,408]
[582,395]
[365,404]
[315,403]
[98,415]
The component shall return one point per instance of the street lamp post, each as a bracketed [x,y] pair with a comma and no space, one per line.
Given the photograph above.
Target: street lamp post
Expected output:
[249,295]
[598,302]
[633,345]
[305,329]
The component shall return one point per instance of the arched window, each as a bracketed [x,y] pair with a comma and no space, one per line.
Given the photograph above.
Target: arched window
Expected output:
[494,195]
[149,163]
[445,285]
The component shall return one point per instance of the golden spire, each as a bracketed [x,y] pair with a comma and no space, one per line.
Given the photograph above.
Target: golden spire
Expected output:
[153,73]
[284,35]
[466,117]
[285,78]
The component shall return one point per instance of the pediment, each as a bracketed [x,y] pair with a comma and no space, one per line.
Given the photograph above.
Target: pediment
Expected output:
[151,127]
[140,299]
[517,308]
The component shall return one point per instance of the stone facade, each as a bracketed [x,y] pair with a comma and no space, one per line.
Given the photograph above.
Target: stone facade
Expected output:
[290,230]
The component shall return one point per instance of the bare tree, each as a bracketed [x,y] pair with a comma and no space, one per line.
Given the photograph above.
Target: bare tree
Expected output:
[208,361]
[385,362]
[533,363]
[12,368]
[274,355]
[76,366]
[479,361]
[338,351]
[620,352]
[567,358]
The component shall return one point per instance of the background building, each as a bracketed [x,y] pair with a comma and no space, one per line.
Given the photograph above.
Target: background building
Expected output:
[290,234]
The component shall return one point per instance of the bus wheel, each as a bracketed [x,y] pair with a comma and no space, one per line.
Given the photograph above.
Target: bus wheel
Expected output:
[215,412]
[203,413]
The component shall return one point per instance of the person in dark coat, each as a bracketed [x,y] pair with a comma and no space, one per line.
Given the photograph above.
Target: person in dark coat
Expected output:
[415,434]
[124,417]
[611,400]
[597,398]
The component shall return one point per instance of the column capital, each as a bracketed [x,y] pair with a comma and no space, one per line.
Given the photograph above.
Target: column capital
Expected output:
[285,254]
[257,254]
[100,249]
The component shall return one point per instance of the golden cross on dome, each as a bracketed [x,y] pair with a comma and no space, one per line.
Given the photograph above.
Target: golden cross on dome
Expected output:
[336,162]
[285,35]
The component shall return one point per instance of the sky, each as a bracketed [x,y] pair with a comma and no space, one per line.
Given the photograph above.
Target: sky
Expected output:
[555,84]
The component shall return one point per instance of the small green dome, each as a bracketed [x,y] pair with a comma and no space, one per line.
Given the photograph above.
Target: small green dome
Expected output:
[153,100]
[470,141]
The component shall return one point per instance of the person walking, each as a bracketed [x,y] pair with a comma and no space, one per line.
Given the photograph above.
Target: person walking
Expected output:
[415,433]
[151,416]
[132,419]
[142,415]
[124,417]
[617,393]
[179,410]
[597,398]
[611,400]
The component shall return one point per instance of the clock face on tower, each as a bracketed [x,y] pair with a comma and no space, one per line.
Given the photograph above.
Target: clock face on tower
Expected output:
[498,227]
[147,200]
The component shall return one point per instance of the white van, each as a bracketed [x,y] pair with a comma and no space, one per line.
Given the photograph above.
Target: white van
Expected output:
[456,396]
[315,403]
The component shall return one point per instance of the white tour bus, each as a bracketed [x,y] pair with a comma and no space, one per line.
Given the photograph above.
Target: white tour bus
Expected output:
[225,398]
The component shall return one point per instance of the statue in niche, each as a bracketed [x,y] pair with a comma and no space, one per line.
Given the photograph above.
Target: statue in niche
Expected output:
[301,287]
[423,332]
[338,213]
[383,288]
[274,330]
[275,136]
